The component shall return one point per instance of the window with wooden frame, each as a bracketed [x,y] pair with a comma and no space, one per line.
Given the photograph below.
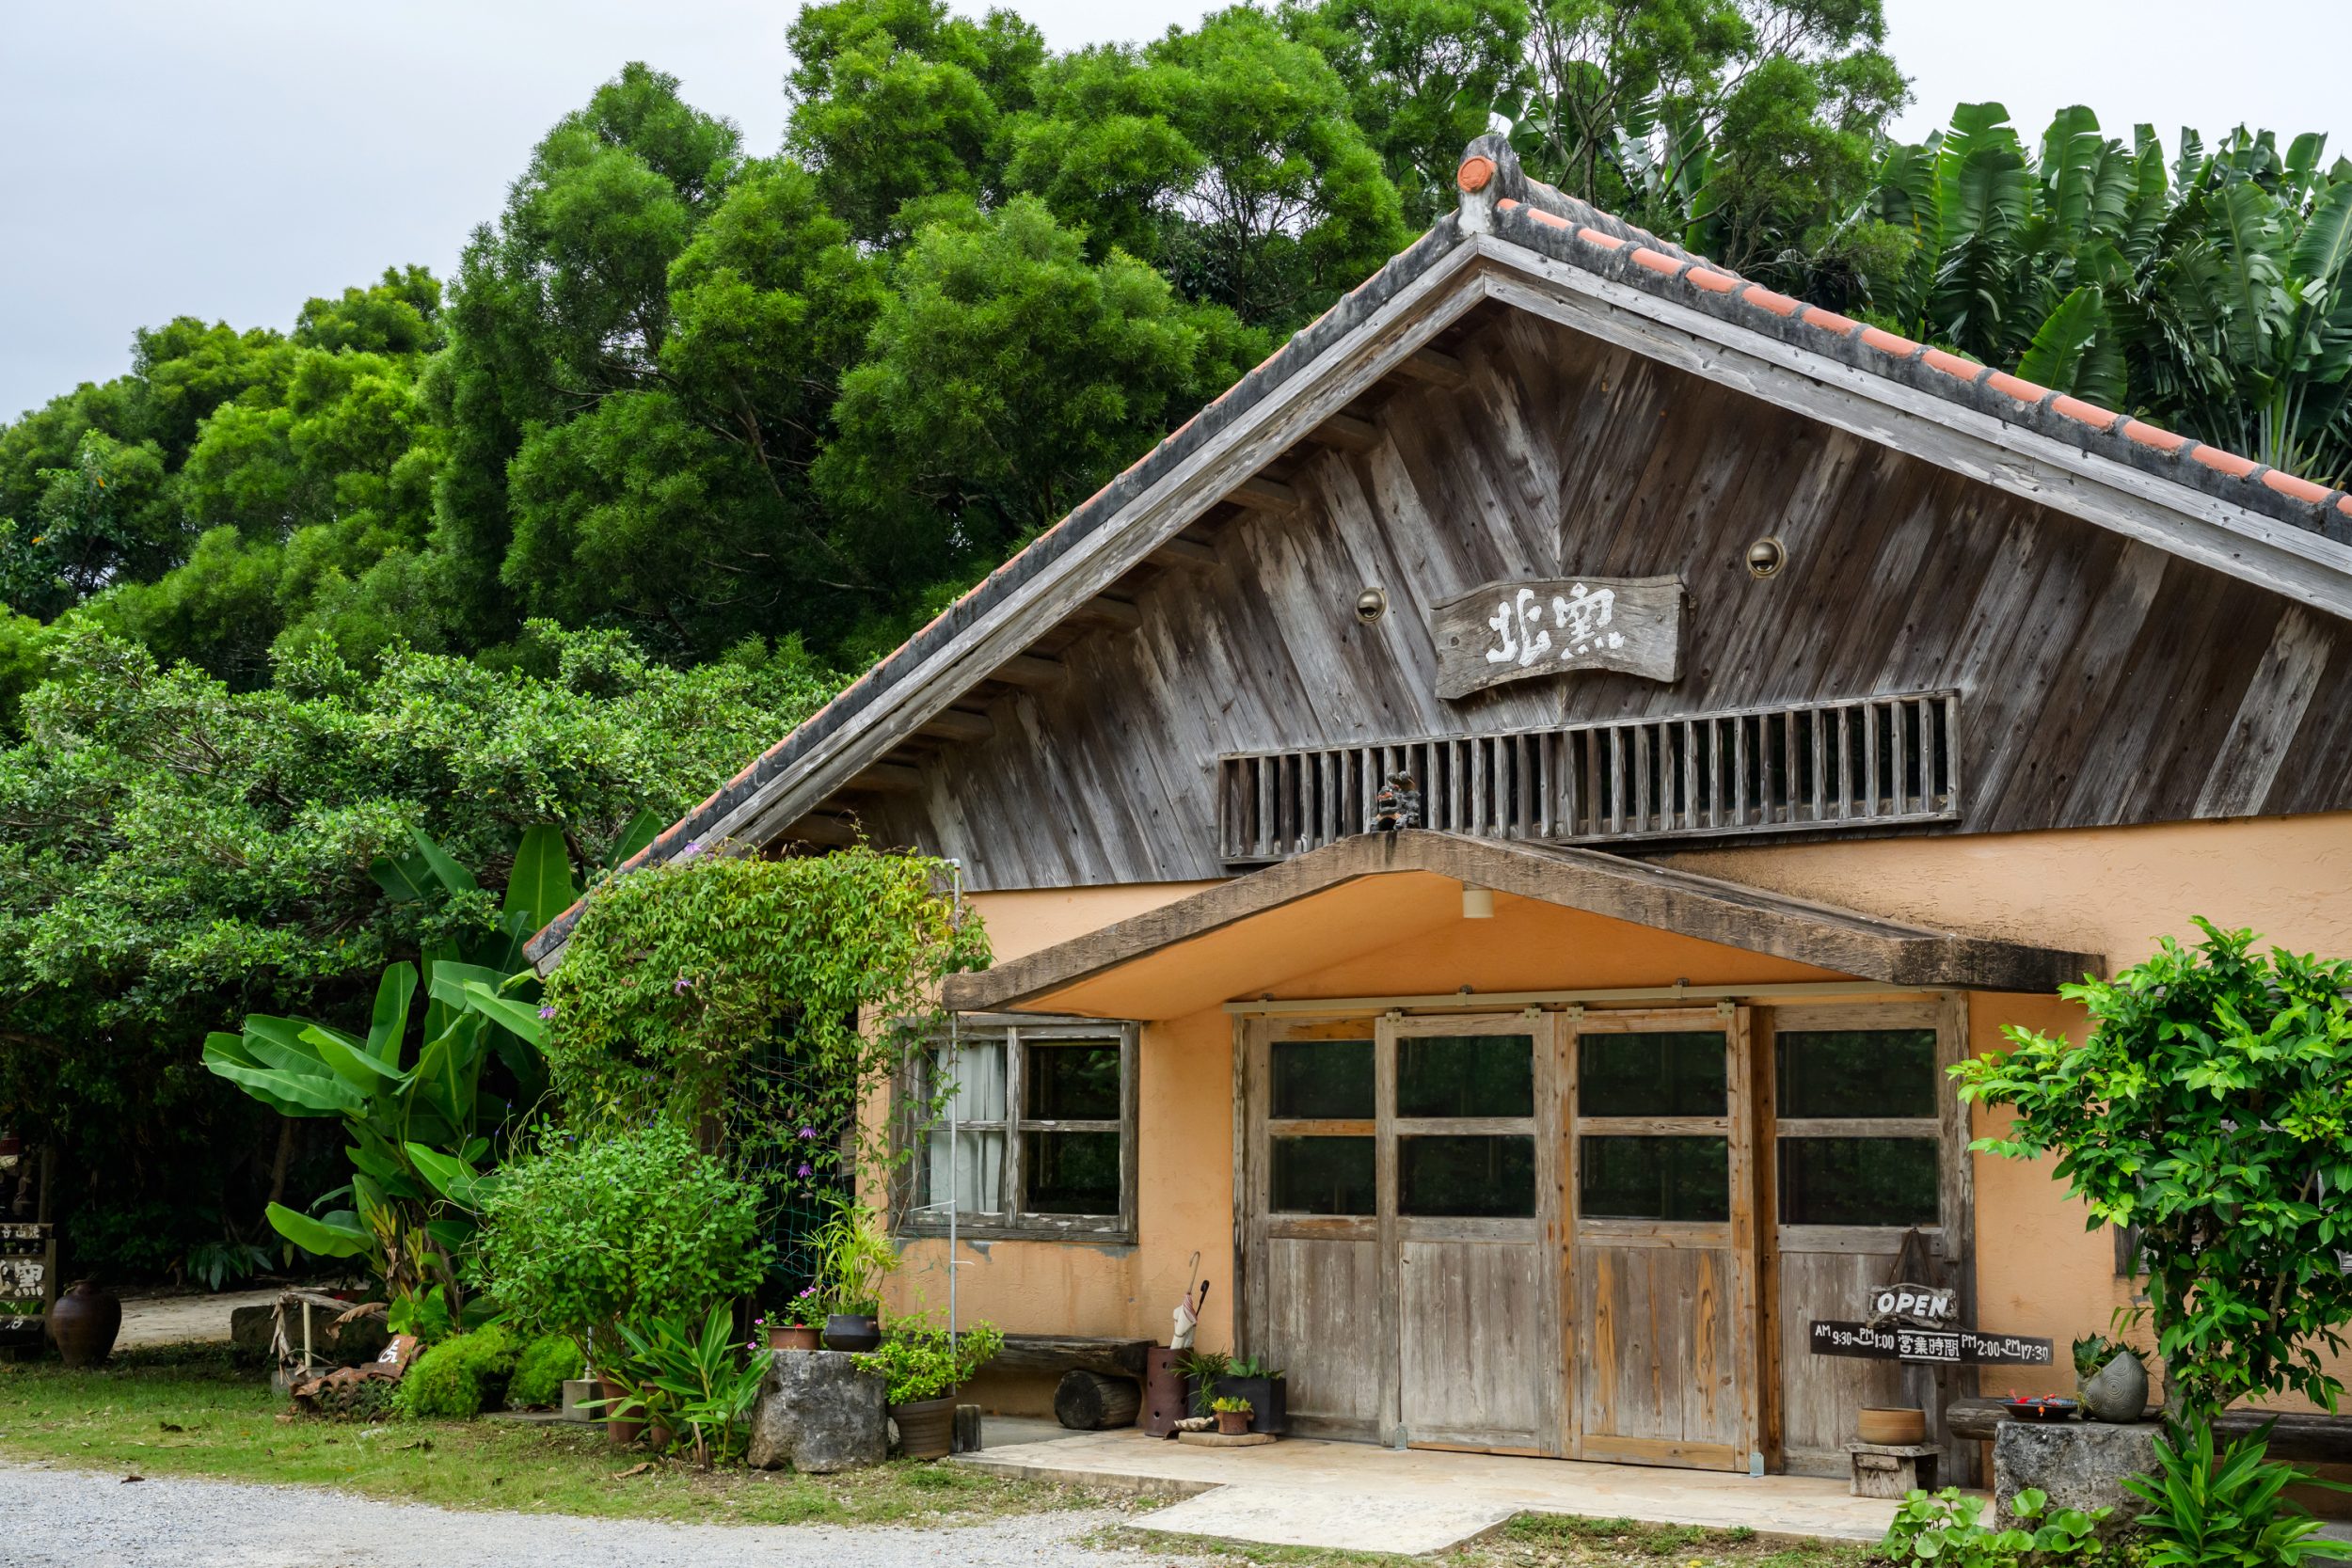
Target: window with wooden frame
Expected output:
[1043,1143]
[1856,1122]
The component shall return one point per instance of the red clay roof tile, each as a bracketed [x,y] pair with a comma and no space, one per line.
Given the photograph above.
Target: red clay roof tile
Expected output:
[1952,365]
[1594,236]
[2300,488]
[1828,321]
[1644,256]
[2014,387]
[2224,461]
[1887,343]
[1712,281]
[1765,299]
[1474,173]
[2152,436]
[2086,413]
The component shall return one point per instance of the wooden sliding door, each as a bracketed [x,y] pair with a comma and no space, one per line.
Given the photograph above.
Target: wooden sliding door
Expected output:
[1661,1114]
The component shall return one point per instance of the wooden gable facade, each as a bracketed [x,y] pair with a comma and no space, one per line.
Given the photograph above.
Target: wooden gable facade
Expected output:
[2095,679]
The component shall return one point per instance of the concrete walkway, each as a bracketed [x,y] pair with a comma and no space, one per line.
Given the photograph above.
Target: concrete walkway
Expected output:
[1360,1497]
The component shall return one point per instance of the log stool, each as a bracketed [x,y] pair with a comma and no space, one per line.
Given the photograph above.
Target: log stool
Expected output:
[1892,1470]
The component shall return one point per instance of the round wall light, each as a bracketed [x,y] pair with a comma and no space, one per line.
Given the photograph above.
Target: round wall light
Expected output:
[1767,556]
[1371,605]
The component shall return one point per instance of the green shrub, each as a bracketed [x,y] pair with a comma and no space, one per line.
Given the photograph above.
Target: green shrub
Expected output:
[622,1228]
[460,1377]
[1944,1528]
[539,1375]
[2227,1508]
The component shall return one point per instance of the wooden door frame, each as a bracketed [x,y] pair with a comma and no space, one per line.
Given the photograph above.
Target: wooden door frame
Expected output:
[1741,1231]
[1955,1234]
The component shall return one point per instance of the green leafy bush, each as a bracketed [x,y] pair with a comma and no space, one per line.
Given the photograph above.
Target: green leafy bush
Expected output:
[1946,1529]
[622,1228]
[2207,1109]
[2209,1510]
[461,1377]
[542,1370]
[918,1363]
[696,1382]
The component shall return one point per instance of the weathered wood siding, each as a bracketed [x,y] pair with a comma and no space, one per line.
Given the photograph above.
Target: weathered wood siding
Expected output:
[2103,681]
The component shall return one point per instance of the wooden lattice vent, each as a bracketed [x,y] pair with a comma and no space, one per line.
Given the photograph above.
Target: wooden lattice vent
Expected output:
[1800,767]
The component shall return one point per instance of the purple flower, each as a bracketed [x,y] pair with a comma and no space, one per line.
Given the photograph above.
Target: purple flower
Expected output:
[805,1170]
[548,1011]
[694,848]
[677,987]
[808,1131]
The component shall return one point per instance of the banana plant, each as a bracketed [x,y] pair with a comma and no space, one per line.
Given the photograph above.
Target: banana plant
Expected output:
[414,1118]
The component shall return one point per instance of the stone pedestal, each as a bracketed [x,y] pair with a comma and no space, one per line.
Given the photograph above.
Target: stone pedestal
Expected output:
[818,1414]
[2079,1463]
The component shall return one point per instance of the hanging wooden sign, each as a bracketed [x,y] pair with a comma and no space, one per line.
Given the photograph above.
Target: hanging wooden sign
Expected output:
[1517,630]
[1954,1347]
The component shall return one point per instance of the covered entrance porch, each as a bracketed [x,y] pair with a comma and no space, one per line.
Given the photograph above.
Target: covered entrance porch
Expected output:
[1572,1178]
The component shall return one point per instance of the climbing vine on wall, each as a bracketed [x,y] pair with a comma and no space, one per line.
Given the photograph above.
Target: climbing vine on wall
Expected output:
[679,976]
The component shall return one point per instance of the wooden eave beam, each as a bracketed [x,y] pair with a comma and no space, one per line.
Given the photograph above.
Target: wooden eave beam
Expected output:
[818,827]
[1118,613]
[1185,550]
[955,723]
[1436,366]
[1265,494]
[1031,670]
[1347,432]
[1706,908]
[888,778]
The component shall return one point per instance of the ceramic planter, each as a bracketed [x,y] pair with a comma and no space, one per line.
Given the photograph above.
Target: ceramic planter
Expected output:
[794,1337]
[1233,1423]
[1268,1397]
[85,1323]
[852,1331]
[926,1428]
[2117,1391]
[620,1431]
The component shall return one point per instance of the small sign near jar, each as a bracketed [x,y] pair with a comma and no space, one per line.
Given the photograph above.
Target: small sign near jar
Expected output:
[1950,1347]
[1518,629]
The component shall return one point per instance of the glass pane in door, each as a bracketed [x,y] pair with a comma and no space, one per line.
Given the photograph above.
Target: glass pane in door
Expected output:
[1465,1177]
[1323,1175]
[1858,1181]
[1679,1178]
[1827,1073]
[1322,1080]
[1665,1075]
[1466,1075]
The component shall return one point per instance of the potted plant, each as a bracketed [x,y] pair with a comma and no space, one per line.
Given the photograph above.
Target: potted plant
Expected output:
[1233,1414]
[854,1258]
[798,1325]
[1263,1387]
[1200,1370]
[922,1365]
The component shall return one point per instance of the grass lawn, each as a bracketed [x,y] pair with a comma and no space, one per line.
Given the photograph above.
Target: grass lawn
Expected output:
[191,1412]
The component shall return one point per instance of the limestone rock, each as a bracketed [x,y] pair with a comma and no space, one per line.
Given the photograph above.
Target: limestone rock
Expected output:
[249,1331]
[818,1414]
[2080,1464]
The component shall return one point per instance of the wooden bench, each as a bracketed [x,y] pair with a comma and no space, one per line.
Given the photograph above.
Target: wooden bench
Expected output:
[2307,1437]
[1102,1381]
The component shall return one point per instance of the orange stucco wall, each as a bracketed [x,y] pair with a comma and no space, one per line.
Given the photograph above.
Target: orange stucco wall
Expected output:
[2039,1271]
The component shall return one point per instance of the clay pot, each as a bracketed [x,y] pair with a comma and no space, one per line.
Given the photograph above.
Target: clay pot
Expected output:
[852,1331]
[926,1428]
[794,1337]
[2117,1391]
[85,1323]
[1894,1425]
[1233,1423]
[620,1431]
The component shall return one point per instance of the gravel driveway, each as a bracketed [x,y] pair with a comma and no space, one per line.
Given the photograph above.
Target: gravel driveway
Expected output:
[60,1518]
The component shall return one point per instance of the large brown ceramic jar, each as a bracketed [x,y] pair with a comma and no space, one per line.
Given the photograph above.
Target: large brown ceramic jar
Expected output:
[85,1323]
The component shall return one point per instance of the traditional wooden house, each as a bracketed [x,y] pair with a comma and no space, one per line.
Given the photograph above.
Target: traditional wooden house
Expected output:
[1492,831]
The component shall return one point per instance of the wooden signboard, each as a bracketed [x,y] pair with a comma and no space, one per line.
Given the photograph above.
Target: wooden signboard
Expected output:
[1517,630]
[29,1277]
[1952,1347]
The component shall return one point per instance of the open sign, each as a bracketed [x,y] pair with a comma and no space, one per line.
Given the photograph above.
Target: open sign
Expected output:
[1917,1303]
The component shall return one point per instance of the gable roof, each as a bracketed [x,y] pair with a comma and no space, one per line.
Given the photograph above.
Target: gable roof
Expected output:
[1706,908]
[1516,240]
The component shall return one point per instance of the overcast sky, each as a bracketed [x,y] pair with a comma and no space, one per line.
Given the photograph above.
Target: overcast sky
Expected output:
[232,158]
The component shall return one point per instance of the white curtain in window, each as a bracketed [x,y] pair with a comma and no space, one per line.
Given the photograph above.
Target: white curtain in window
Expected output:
[977,1171]
[978,1073]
